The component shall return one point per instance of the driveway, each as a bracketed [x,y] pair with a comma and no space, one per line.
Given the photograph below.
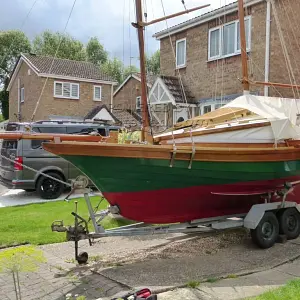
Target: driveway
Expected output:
[20,197]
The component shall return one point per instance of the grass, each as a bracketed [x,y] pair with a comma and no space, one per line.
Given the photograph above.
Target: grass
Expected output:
[291,291]
[232,276]
[193,284]
[32,223]
[212,279]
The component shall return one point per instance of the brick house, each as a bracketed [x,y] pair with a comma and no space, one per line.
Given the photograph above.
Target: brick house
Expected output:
[163,106]
[208,52]
[66,89]
[127,104]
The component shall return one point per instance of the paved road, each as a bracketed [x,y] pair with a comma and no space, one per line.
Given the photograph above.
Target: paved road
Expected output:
[20,197]
[60,276]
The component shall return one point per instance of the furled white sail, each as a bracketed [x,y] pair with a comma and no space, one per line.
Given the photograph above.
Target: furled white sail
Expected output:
[281,112]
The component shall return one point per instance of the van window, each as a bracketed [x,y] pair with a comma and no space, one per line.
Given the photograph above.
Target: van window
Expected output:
[9,144]
[49,129]
[85,130]
[36,144]
[12,127]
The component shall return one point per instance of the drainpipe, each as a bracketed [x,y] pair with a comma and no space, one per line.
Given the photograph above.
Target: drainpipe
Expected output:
[19,100]
[268,38]
[111,97]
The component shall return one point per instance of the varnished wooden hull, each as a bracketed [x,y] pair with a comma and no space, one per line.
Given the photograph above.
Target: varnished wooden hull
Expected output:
[147,185]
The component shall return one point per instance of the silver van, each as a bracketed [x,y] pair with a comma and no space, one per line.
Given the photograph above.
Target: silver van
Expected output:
[30,153]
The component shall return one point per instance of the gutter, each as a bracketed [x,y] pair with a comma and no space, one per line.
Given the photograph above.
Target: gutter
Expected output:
[228,9]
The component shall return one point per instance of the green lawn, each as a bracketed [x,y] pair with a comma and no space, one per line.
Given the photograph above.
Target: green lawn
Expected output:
[32,223]
[291,291]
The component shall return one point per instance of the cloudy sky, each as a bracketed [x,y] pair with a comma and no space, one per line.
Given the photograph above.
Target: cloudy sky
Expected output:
[109,20]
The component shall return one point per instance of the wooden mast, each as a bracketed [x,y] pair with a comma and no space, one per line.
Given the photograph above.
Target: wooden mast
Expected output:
[140,29]
[245,79]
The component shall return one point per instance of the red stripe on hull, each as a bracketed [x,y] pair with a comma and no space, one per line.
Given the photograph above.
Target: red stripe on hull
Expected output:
[186,204]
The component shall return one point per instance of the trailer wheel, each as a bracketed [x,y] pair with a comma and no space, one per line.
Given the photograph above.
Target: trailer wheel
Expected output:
[266,232]
[289,223]
[82,258]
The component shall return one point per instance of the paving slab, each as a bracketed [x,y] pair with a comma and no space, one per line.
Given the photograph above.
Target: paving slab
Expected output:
[187,294]
[108,246]
[292,269]
[59,277]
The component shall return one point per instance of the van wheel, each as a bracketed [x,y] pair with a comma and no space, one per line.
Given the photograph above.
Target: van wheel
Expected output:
[266,233]
[289,223]
[49,188]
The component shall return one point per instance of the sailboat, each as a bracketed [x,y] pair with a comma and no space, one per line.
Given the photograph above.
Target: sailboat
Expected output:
[194,173]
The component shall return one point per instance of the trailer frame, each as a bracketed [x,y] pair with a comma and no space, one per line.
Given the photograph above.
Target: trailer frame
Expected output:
[250,220]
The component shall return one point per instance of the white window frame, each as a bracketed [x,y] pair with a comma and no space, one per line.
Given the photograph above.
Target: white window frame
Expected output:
[71,84]
[95,87]
[22,92]
[220,40]
[184,64]
[207,105]
[221,28]
[136,101]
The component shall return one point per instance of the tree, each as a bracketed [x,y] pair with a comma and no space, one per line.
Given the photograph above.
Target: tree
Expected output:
[95,52]
[4,100]
[130,70]
[48,42]
[12,44]
[117,70]
[20,259]
[113,68]
[153,63]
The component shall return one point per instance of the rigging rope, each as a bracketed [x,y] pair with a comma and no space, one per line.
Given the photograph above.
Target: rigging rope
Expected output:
[21,28]
[179,76]
[35,171]
[183,3]
[283,44]
[50,69]
[289,39]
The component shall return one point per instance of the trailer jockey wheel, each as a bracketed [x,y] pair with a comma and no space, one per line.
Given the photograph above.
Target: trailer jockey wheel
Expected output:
[267,231]
[82,258]
[289,223]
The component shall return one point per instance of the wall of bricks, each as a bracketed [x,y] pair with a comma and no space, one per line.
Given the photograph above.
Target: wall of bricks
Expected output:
[49,105]
[221,77]
[126,96]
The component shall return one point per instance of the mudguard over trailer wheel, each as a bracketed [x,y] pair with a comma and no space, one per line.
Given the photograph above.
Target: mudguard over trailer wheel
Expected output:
[266,233]
[289,223]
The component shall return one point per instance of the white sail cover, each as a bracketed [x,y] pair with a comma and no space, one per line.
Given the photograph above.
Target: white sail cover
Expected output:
[281,112]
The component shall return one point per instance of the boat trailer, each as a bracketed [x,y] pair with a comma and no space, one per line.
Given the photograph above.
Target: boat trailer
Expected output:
[266,222]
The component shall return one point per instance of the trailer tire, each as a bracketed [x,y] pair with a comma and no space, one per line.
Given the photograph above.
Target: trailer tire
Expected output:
[289,223]
[266,233]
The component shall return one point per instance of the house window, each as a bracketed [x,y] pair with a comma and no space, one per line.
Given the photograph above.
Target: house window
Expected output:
[138,103]
[66,90]
[22,95]
[97,93]
[181,53]
[214,43]
[206,109]
[224,41]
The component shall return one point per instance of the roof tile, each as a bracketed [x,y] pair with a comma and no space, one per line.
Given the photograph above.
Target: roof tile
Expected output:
[66,67]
